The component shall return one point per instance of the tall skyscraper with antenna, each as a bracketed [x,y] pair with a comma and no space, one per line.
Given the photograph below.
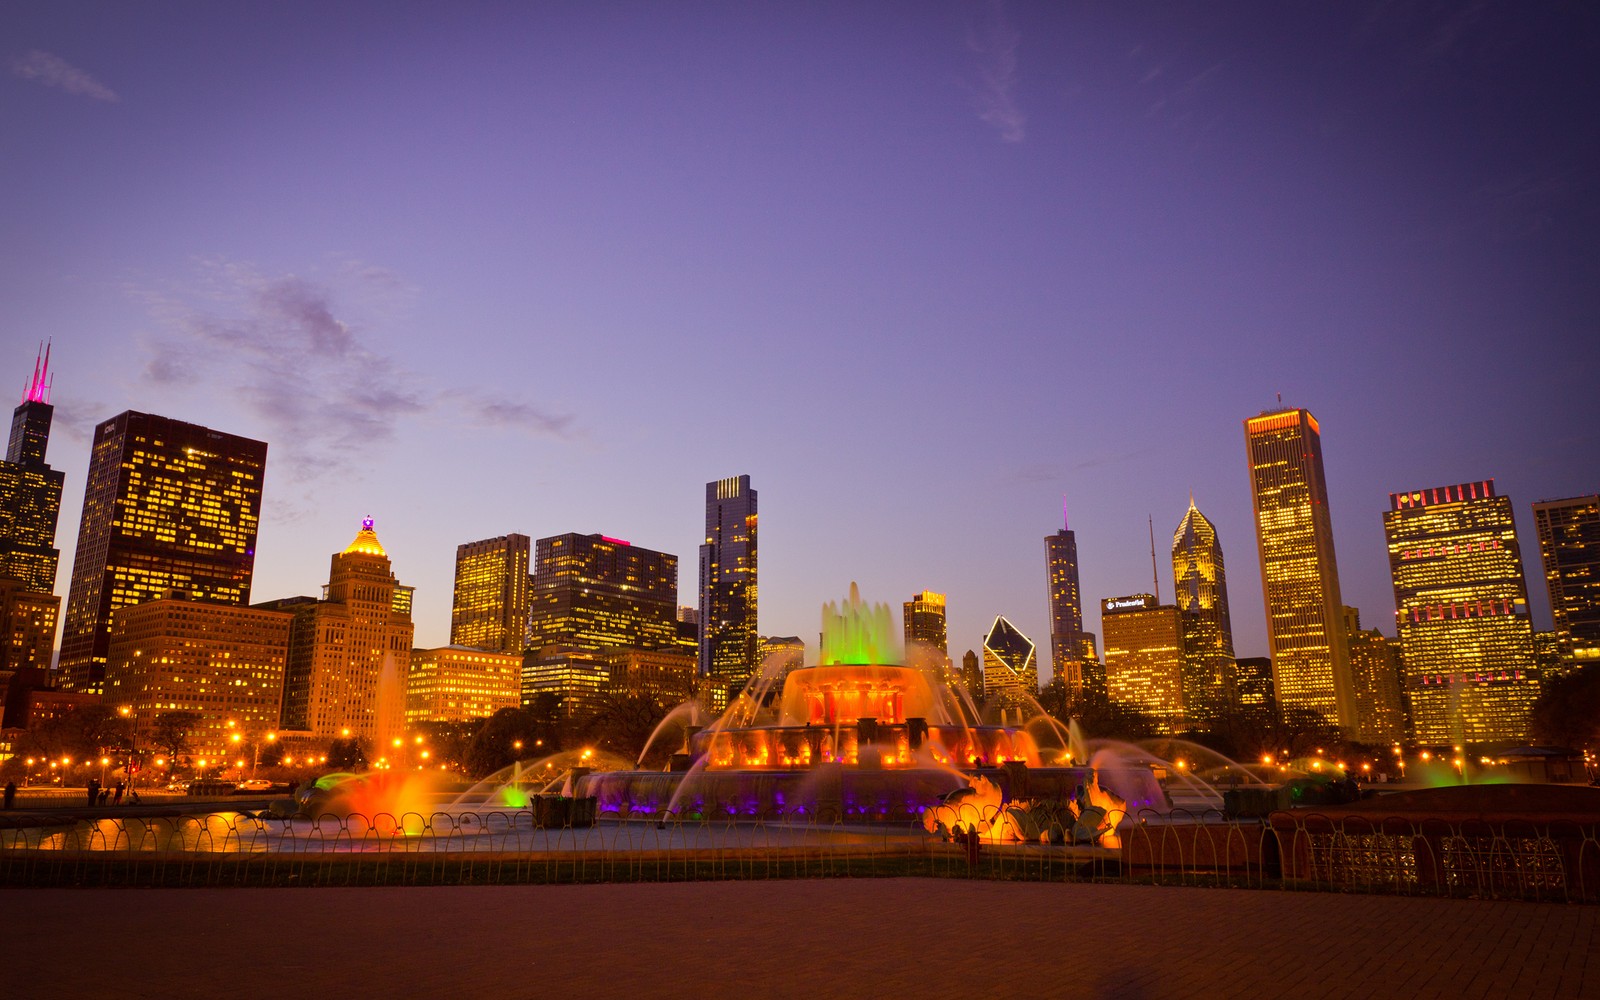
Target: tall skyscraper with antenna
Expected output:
[1299,576]
[30,505]
[30,491]
[1072,650]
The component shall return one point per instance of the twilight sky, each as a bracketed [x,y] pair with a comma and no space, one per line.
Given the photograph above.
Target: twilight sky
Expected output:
[920,269]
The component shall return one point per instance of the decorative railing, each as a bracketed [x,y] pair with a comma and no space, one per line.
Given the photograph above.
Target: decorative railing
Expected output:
[1297,850]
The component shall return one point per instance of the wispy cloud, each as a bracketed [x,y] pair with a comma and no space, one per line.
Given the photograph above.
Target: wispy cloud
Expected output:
[296,354]
[53,71]
[994,42]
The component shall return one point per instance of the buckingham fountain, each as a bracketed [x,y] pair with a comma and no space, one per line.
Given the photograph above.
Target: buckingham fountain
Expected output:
[863,736]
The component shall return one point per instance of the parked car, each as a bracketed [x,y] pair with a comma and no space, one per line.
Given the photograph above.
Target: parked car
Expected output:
[255,785]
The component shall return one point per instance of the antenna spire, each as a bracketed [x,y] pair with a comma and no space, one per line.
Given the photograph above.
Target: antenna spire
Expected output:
[1155,575]
[39,385]
[1065,524]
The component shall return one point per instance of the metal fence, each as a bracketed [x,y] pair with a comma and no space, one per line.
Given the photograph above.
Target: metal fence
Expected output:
[1299,850]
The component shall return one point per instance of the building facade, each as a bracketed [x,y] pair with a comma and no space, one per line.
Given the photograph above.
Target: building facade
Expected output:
[169,508]
[1375,667]
[27,626]
[1461,606]
[594,592]
[1010,665]
[728,592]
[1145,658]
[924,622]
[1569,546]
[1299,575]
[30,491]
[351,651]
[1201,593]
[1073,656]
[492,597]
[664,676]
[1253,680]
[222,662]
[578,678]
[461,683]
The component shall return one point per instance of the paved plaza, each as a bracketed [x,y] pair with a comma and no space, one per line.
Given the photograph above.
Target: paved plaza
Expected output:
[923,938]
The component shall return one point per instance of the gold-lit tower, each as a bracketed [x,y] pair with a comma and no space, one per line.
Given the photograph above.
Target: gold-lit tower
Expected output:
[1461,604]
[490,604]
[1299,576]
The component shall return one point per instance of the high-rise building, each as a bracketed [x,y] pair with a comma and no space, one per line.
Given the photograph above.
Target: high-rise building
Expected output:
[666,677]
[1010,665]
[30,502]
[925,621]
[1253,679]
[1569,544]
[223,662]
[170,508]
[349,653]
[728,593]
[781,654]
[30,491]
[971,676]
[1201,586]
[461,683]
[578,678]
[1375,669]
[27,626]
[1461,603]
[1073,657]
[1299,576]
[1145,658]
[489,608]
[594,592]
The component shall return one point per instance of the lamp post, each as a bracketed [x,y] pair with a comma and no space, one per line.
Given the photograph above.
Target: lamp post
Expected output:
[126,711]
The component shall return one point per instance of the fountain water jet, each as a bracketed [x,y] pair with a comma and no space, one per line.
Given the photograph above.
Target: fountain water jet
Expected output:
[858,736]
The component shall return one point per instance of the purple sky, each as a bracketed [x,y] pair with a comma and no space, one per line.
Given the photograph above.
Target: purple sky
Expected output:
[919,269]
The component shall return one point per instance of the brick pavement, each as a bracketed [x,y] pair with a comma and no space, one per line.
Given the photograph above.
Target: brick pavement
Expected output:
[817,938]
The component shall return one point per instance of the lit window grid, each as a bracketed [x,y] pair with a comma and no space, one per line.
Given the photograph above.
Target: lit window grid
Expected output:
[1300,581]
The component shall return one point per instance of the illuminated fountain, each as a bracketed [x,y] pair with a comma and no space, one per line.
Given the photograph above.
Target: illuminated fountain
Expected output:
[860,736]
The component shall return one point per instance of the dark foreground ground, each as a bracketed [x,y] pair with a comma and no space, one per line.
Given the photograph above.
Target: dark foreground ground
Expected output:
[922,938]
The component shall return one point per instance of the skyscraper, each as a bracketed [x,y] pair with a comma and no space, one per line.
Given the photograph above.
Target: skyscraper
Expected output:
[728,634]
[1201,584]
[1462,608]
[925,621]
[593,592]
[1073,658]
[1375,669]
[349,653]
[489,607]
[30,491]
[1299,576]
[170,508]
[1569,544]
[1145,658]
[1010,665]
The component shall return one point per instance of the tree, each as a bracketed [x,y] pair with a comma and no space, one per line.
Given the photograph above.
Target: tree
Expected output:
[496,744]
[172,734]
[1567,713]
[347,754]
[622,723]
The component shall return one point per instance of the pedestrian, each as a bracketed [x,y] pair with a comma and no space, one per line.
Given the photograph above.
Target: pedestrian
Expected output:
[94,791]
[11,794]
[105,793]
[116,798]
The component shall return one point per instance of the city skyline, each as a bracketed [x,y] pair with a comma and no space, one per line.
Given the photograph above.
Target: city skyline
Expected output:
[864,286]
